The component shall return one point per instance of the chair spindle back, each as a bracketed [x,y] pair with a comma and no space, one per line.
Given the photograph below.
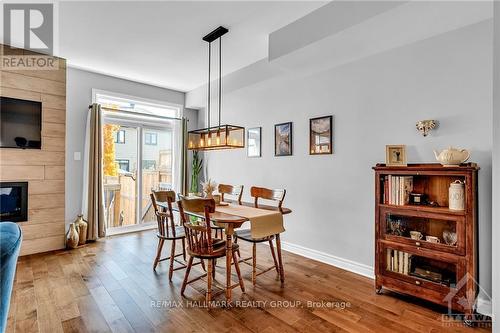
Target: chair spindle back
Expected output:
[235,190]
[198,234]
[166,223]
[268,194]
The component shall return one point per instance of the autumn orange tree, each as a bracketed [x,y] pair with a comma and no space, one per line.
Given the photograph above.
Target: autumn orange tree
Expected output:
[109,164]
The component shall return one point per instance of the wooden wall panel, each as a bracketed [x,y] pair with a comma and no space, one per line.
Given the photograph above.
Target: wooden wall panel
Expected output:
[31,157]
[54,116]
[46,186]
[45,200]
[21,173]
[43,169]
[53,144]
[42,244]
[55,102]
[54,130]
[44,215]
[31,83]
[21,94]
[54,172]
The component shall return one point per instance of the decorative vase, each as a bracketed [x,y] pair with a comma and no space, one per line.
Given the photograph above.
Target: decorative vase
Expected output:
[457,195]
[81,226]
[72,240]
[452,157]
[450,237]
[209,188]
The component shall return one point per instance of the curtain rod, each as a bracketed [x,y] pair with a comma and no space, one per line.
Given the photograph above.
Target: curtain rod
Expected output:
[140,114]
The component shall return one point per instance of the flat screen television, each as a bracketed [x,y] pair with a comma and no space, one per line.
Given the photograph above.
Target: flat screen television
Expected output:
[20,123]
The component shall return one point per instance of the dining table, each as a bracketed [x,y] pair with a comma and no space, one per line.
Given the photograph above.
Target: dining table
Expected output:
[231,222]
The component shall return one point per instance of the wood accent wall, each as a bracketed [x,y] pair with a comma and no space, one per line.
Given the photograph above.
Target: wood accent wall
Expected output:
[43,169]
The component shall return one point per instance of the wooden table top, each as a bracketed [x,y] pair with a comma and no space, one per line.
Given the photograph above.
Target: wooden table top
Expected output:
[224,217]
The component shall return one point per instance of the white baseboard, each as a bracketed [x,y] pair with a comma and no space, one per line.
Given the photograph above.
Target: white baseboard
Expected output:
[329,259]
[483,304]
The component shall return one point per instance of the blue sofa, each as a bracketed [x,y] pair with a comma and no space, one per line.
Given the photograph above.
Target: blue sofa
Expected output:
[10,244]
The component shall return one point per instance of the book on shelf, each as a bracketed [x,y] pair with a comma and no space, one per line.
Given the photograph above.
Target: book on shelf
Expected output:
[398,261]
[406,263]
[397,190]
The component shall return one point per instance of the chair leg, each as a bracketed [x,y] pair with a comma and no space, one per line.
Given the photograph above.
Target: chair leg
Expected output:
[172,259]
[237,267]
[235,241]
[203,265]
[280,260]
[254,263]
[213,268]
[186,276]
[184,249]
[158,252]
[208,297]
[274,258]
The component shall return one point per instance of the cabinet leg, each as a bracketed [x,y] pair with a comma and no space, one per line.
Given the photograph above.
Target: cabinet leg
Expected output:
[378,290]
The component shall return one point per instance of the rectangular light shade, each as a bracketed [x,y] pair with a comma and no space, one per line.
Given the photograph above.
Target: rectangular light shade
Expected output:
[218,137]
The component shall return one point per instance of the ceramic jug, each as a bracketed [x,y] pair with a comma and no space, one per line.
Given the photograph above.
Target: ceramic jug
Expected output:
[81,226]
[72,240]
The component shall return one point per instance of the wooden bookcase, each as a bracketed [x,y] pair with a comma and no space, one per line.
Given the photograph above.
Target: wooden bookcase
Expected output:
[438,272]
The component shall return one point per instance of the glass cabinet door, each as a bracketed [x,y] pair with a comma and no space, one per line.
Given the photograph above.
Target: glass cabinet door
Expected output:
[438,232]
[419,268]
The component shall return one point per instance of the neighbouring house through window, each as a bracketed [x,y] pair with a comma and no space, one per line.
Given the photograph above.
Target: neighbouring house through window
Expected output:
[148,164]
[123,165]
[150,138]
[120,136]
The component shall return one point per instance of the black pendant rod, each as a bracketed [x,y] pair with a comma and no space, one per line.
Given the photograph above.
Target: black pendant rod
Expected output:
[220,76]
[212,36]
[209,61]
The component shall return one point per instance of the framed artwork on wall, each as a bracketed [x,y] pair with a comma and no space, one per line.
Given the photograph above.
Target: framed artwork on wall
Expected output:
[283,141]
[254,138]
[395,155]
[320,135]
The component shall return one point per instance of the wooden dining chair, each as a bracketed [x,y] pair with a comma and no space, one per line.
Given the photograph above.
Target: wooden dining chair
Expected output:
[168,231]
[232,190]
[200,243]
[245,235]
[235,191]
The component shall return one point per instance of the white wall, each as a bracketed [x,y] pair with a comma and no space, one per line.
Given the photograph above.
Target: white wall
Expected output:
[79,95]
[496,169]
[375,101]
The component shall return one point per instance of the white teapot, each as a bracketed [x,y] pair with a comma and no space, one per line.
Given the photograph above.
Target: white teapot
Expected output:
[452,156]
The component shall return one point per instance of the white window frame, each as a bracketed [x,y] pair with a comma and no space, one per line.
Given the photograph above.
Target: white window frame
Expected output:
[140,130]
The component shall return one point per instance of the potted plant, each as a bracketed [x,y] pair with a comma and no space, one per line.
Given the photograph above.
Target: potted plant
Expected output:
[196,167]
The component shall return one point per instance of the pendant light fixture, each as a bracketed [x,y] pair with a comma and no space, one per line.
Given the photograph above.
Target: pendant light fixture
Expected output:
[220,136]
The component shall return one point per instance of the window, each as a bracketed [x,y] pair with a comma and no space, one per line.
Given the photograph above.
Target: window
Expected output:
[150,139]
[144,155]
[149,165]
[120,136]
[123,165]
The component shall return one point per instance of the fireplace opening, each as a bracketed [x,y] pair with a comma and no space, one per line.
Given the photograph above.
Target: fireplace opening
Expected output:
[14,201]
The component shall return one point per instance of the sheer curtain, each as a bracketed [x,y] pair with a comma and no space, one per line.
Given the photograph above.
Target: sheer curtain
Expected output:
[180,153]
[93,192]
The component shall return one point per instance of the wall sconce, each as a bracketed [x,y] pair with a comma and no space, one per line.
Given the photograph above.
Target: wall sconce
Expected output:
[424,126]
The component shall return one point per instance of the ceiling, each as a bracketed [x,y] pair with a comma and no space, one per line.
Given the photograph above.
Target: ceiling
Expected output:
[160,42]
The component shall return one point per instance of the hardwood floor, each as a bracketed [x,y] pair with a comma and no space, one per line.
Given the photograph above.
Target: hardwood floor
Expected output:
[110,286]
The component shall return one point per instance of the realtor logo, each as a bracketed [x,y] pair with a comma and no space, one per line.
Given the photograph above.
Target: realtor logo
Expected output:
[468,299]
[29,26]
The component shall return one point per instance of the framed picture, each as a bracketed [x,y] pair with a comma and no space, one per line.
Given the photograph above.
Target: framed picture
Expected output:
[283,139]
[395,155]
[254,137]
[320,136]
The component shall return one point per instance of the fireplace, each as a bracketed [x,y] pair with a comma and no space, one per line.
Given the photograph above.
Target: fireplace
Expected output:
[14,201]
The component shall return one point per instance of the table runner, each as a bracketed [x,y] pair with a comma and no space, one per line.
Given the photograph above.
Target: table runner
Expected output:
[263,222]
